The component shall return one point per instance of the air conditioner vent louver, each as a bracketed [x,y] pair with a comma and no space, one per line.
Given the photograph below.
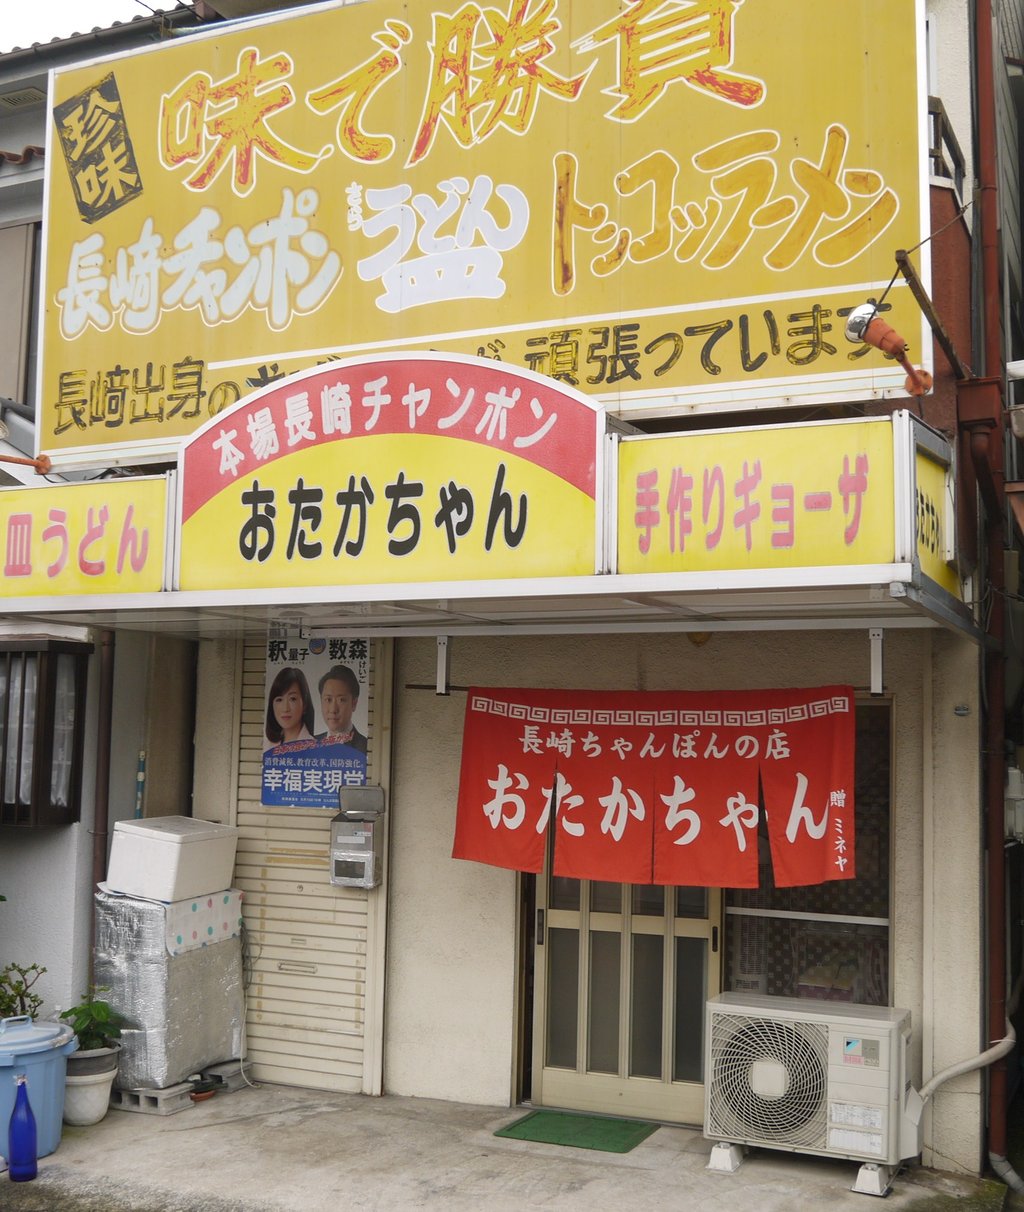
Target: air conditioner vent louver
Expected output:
[768,1080]
[809,1076]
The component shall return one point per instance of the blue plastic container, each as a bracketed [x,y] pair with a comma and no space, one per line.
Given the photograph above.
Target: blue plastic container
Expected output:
[39,1051]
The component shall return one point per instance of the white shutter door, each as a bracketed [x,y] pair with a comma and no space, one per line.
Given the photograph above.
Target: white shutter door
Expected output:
[307,1001]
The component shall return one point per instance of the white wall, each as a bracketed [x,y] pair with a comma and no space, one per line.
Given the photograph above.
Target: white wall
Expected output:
[452,962]
[950,25]
[953,882]
[128,723]
[37,922]
[450,989]
[46,874]
[218,720]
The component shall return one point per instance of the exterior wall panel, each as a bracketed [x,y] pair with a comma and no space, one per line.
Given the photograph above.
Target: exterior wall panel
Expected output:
[453,960]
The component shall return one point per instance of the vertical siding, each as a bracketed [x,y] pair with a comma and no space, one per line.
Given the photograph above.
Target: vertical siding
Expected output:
[306,1009]
[1008,46]
[16,264]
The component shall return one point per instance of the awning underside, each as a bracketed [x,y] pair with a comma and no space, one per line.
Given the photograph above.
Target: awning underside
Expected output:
[796,600]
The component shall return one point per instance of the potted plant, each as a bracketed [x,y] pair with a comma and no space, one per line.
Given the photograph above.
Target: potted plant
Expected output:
[16,996]
[92,1069]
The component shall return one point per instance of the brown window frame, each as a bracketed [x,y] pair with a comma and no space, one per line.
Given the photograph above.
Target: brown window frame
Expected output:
[40,807]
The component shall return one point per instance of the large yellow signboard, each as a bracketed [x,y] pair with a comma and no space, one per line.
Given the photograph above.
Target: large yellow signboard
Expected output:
[659,202]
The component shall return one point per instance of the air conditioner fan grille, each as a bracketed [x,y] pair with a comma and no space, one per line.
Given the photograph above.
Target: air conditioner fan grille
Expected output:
[796,1115]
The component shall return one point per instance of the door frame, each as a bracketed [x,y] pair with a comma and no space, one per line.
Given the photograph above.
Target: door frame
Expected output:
[651,1098]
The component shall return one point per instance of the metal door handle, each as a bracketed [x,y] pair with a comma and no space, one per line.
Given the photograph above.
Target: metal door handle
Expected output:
[714,939]
[540,927]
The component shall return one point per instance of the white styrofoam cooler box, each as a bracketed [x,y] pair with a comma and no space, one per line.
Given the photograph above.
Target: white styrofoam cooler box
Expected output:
[170,858]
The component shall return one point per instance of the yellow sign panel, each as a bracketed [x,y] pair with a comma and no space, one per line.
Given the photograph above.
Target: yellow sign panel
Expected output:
[650,202]
[795,497]
[106,536]
[933,508]
[384,470]
[223,547]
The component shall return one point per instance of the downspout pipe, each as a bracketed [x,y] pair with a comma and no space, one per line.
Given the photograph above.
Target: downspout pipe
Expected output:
[986,451]
[990,466]
[101,791]
[999,1049]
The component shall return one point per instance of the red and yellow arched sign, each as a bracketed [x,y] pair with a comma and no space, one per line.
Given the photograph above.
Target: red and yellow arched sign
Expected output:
[405,468]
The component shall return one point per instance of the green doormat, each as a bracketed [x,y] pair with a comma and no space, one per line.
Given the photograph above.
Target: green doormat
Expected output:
[579,1131]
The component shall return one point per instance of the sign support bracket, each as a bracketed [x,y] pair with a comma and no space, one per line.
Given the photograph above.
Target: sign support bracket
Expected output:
[444,666]
[875,635]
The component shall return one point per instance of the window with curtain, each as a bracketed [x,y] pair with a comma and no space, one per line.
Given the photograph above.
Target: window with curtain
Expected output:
[42,709]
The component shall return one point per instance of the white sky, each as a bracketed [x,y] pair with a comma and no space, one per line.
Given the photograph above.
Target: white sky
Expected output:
[26,21]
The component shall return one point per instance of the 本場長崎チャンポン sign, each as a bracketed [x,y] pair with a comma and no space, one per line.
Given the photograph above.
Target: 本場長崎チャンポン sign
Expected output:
[416,468]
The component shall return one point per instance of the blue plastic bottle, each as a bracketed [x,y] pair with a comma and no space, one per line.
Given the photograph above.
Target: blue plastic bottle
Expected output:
[21,1137]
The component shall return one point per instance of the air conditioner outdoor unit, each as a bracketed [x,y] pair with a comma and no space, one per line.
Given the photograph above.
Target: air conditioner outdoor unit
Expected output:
[812,1077]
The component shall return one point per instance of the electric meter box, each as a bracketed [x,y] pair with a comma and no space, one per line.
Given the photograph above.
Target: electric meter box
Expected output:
[357,838]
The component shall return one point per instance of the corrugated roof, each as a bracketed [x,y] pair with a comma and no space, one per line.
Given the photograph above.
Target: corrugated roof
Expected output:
[175,11]
[22,157]
[29,151]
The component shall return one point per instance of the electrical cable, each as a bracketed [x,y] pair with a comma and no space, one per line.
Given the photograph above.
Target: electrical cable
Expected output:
[247,973]
[921,244]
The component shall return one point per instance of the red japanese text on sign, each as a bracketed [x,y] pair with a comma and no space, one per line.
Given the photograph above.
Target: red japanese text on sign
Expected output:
[96,537]
[477,401]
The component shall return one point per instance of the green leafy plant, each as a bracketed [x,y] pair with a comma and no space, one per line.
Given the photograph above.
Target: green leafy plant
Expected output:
[96,1023]
[16,996]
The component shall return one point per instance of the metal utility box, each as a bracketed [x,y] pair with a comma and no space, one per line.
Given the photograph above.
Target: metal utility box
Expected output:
[357,838]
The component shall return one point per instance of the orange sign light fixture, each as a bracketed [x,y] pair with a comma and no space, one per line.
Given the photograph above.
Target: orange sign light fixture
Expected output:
[865,324]
[41,464]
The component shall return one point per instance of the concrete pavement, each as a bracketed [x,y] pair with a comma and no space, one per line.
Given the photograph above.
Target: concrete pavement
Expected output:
[280,1149]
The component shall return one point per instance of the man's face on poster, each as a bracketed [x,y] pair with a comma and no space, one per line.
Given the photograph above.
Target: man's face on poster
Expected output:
[337,704]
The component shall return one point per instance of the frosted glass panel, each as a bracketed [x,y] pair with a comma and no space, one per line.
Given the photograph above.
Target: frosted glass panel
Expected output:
[12,710]
[562,996]
[20,710]
[564,893]
[603,1011]
[648,900]
[63,730]
[691,994]
[648,986]
[28,732]
[605,897]
[692,902]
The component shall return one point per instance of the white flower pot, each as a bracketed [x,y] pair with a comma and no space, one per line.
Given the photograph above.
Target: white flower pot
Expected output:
[87,1098]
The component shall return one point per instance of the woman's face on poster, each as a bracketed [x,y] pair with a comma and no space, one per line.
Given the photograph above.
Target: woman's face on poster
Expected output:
[288,708]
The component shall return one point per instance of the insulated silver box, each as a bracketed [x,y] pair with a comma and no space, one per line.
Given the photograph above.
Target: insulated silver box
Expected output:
[170,858]
[184,1012]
